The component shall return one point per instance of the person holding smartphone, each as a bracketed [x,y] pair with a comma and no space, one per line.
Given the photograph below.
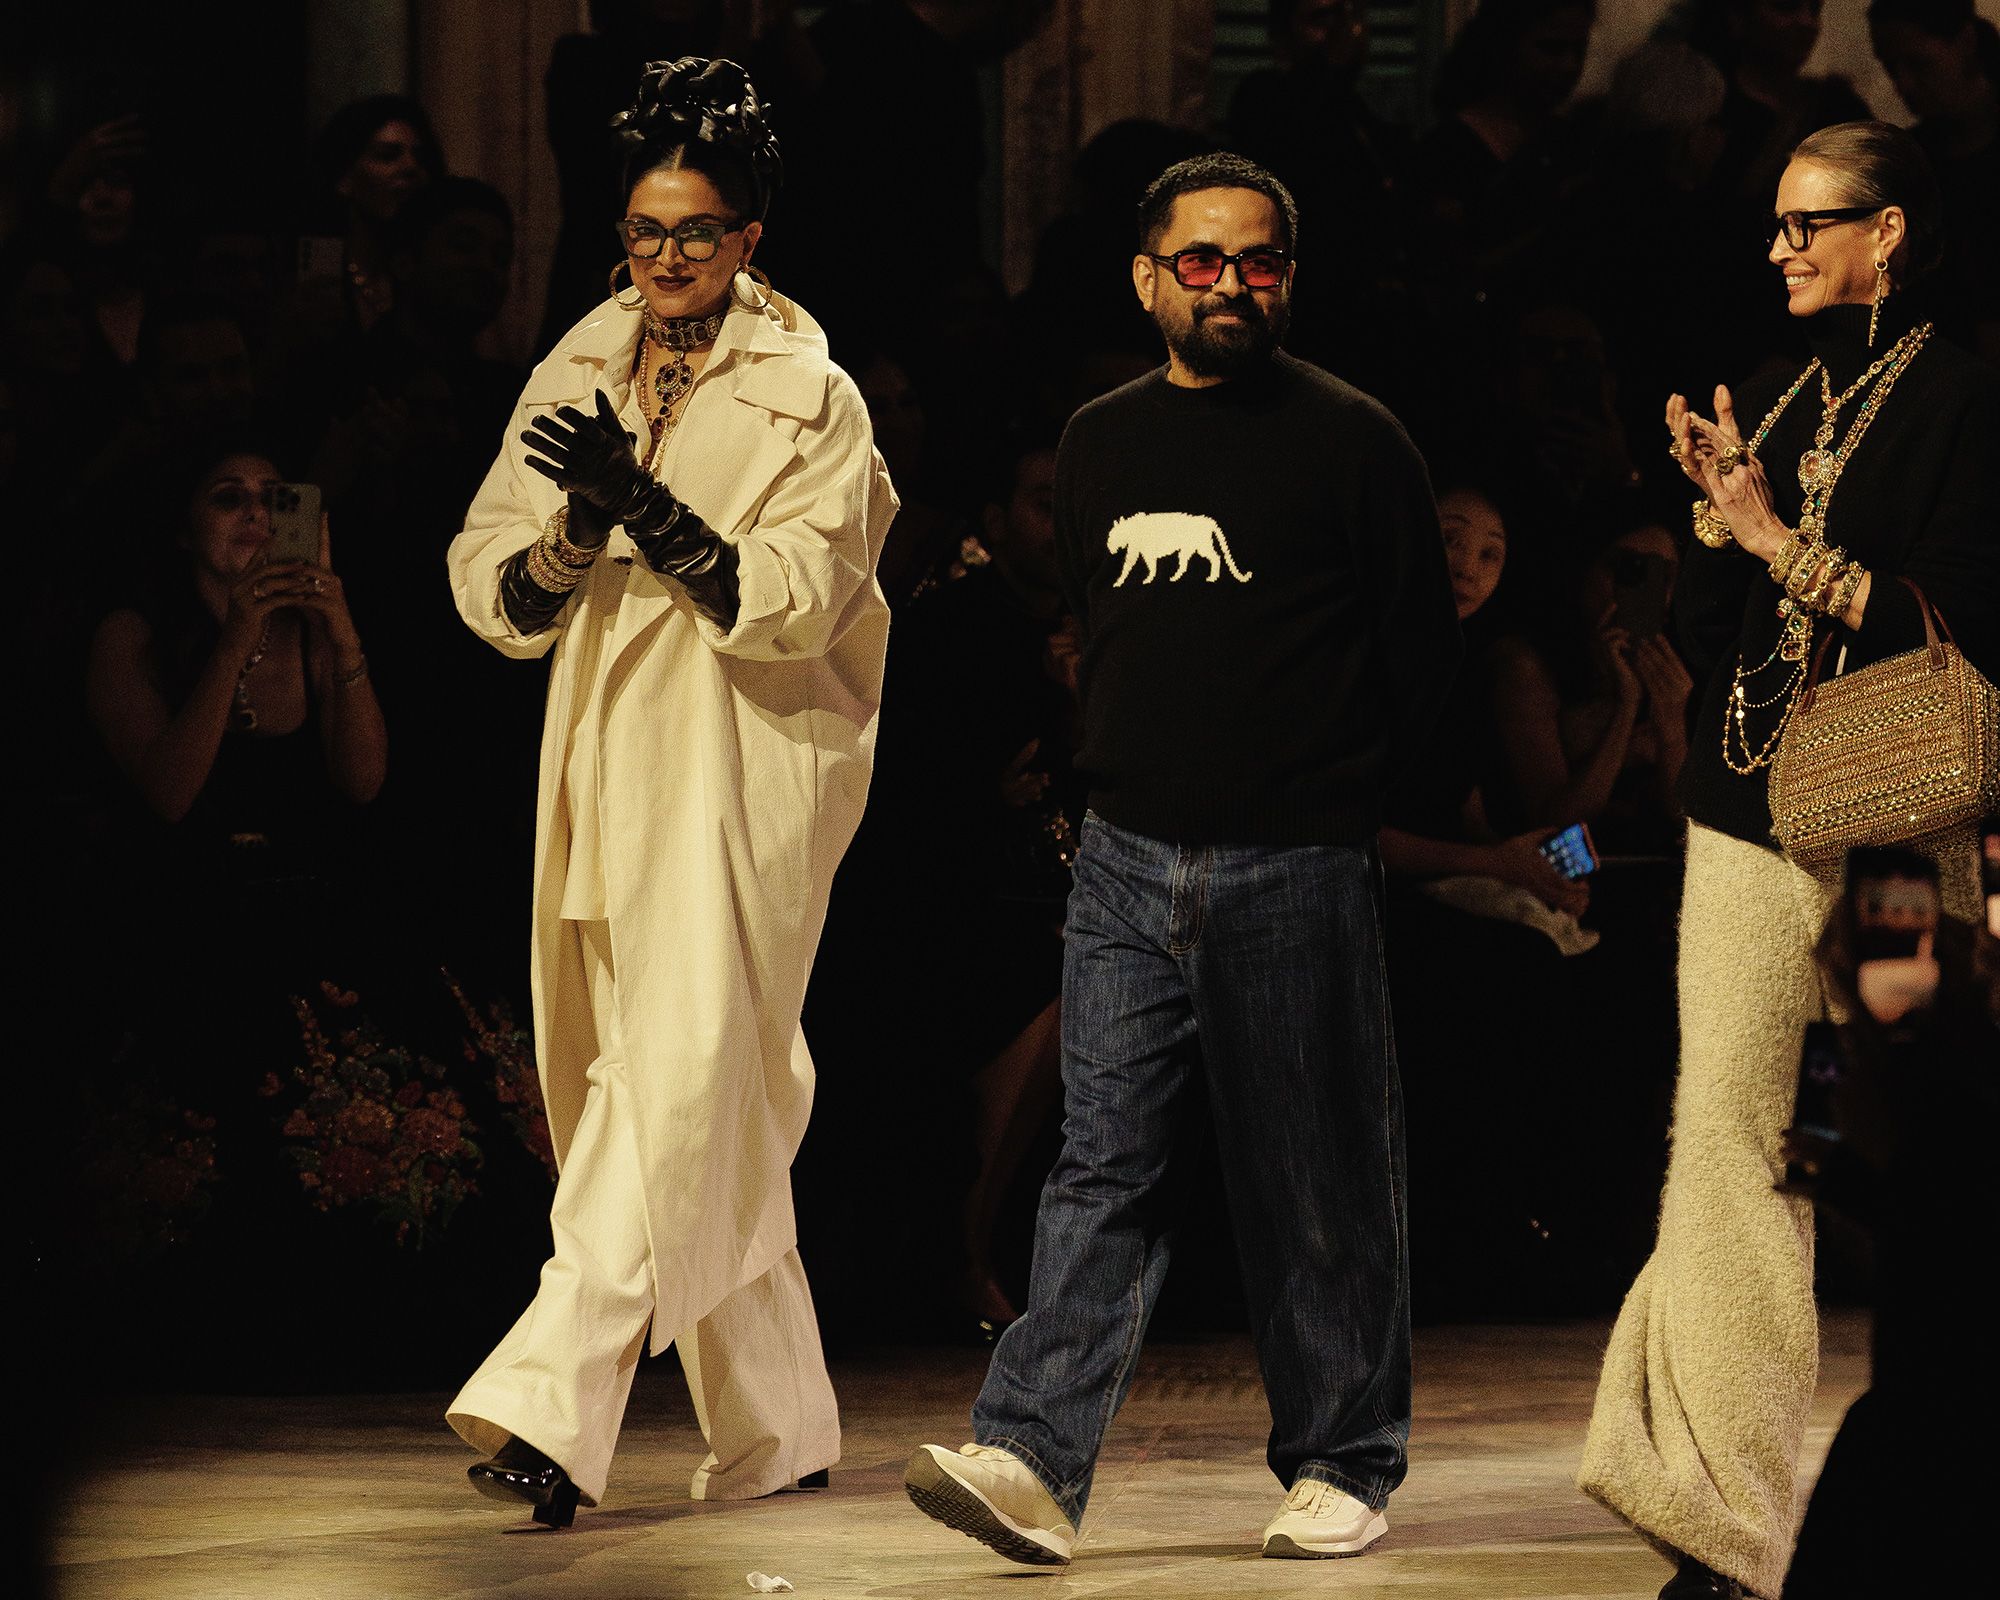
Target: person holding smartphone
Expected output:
[686,513]
[233,687]
[1819,490]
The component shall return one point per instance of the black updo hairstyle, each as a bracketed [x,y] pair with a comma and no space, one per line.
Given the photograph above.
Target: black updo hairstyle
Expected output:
[702,115]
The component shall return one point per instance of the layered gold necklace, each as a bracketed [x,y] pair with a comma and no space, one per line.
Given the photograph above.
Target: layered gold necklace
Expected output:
[1820,468]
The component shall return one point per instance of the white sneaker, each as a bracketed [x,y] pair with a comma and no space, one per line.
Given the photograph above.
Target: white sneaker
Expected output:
[1319,1520]
[990,1494]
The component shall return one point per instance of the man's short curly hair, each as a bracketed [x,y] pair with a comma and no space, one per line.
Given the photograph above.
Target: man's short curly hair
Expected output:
[1219,170]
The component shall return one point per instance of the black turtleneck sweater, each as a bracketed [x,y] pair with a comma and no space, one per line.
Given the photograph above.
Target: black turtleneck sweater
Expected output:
[1267,618]
[1919,498]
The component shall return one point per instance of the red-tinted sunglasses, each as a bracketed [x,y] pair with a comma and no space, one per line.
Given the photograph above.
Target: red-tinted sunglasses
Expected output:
[1203,266]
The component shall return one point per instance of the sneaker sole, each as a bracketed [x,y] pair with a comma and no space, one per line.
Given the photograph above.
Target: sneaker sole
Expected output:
[1284,1547]
[944,1498]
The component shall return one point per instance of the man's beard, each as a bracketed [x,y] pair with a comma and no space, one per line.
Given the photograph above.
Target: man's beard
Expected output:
[1216,349]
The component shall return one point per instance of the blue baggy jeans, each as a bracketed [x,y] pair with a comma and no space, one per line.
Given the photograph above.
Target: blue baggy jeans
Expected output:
[1259,967]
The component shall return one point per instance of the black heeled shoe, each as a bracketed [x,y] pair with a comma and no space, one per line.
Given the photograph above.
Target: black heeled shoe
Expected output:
[814,1480]
[518,1471]
[1693,1581]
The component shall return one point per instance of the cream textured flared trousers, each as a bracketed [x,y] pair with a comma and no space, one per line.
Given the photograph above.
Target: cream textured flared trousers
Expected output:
[1703,1399]
[561,1377]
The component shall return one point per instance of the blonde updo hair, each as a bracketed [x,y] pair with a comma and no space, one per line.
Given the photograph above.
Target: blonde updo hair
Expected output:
[1877,164]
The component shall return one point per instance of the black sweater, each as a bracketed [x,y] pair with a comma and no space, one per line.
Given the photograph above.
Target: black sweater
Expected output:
[1260,579]
[1919,498]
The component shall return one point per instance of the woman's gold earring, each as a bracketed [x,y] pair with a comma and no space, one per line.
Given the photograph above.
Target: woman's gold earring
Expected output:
[757,276]
[1881,294]
[638,297]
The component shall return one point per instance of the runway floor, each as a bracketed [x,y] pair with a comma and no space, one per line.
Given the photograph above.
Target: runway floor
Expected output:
[342,1497]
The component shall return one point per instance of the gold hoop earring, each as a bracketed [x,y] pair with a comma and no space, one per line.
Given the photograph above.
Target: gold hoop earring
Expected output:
[638,296]
[758,276]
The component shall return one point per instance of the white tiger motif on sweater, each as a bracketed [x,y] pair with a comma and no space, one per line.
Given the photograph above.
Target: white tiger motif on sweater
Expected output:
[1153,536]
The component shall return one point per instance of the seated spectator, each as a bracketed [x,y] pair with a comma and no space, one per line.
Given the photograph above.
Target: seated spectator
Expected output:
[1944,60]
[1549,401]
[926,545]
[1483,1076]
[1590,701]
[948,912]
[231,690]
[1488,180]
[94,222]
[371,157]
[1305,120]
[1661,136]
[1437,823]
[1762,47]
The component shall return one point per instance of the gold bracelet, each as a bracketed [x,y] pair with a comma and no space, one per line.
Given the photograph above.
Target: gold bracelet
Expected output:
[570,554]
[1808,564]
[1826,574]
[1789,553]
[549,574]
[1842,598]
[1710,529]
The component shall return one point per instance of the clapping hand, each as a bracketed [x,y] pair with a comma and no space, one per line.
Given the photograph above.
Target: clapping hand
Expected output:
[1716,460]
[590,459]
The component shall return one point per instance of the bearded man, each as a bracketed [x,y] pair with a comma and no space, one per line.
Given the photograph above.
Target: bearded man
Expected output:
[1252,551]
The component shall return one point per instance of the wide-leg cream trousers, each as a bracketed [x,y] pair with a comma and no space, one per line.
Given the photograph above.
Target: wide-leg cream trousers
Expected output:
[562,1375]
[1701,1407]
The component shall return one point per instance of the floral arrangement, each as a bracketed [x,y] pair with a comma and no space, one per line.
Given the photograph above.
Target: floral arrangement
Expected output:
[516,1085]
[147,1169]
[374,1125]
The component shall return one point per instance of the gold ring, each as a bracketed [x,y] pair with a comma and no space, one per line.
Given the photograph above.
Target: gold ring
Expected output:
[256,591]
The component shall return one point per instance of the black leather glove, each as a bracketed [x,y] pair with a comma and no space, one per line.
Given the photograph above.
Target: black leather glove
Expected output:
[590,458]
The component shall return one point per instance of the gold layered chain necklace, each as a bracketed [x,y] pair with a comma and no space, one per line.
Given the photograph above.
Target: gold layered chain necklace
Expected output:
[1819,472]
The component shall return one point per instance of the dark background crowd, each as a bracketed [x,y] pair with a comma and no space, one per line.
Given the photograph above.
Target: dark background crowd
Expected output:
[273,1083]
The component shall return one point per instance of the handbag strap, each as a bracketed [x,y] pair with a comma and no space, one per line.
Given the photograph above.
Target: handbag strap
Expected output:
[1933,622]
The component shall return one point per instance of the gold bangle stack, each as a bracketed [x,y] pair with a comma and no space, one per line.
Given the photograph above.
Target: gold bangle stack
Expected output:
[1845,588]
[1815,578]
[1825,570]
[555,564]
[1710,529]
[1789,553]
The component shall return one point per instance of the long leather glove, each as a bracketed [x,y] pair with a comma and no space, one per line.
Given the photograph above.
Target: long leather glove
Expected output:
[590,459]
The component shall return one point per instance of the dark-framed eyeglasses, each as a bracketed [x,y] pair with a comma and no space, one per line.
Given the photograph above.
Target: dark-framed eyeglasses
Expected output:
[698,241]
[1798,227]
[1202,266]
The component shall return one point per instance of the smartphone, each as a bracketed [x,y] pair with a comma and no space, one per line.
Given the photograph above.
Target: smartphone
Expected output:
[1571,852]
[1822,1064]
[1894,896]
[1640,582]
[294,523]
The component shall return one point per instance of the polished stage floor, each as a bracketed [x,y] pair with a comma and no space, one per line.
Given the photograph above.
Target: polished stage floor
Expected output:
[341,1497]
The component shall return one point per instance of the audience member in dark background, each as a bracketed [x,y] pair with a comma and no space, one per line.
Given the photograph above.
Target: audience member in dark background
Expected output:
[1944,60]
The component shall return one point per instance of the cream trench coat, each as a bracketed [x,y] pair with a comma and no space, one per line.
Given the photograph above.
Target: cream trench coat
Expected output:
[730,768]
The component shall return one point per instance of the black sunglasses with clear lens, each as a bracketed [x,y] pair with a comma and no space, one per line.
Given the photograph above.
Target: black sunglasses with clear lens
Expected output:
[1798,227]
[1202,266]
[698,241]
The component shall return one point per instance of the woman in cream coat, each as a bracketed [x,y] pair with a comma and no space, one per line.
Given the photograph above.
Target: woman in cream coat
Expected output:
[705,756]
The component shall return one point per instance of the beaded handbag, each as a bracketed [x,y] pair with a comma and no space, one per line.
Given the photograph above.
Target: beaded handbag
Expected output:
[1904,752]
